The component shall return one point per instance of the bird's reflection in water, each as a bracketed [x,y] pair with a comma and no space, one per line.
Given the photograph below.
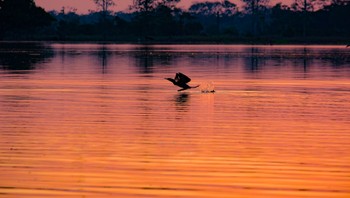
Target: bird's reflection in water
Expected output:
[181,104]
[182,98]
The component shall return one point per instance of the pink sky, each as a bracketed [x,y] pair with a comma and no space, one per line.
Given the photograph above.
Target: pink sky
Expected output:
[83,6]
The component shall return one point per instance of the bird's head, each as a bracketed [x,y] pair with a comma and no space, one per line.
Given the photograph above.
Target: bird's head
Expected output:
[170,79]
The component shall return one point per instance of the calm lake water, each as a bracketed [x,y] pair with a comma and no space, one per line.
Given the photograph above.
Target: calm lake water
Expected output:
[90,120]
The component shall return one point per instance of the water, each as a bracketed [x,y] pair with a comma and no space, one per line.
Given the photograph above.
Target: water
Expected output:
[89,120]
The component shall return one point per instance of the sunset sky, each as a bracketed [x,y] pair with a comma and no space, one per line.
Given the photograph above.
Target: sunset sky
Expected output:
[83,6]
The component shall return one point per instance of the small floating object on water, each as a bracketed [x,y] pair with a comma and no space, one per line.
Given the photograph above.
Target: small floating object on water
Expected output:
[208,87]
[212,91]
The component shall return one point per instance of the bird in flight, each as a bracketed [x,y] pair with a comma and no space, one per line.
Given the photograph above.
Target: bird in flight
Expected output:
[181,80]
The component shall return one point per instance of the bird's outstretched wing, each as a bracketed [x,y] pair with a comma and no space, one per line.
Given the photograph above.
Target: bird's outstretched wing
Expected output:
[180,77]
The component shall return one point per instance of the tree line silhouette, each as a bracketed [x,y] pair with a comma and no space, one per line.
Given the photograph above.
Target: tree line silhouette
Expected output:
[163,21]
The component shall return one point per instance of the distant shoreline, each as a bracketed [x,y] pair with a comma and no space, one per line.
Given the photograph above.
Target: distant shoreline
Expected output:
[191,40]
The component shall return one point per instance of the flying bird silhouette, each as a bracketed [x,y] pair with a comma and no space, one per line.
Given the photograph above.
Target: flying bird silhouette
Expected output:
[181,80]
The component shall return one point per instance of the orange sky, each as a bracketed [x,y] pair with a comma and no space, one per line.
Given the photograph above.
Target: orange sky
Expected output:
[83,6]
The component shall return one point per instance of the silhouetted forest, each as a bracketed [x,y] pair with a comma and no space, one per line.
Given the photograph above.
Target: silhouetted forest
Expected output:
[306,21]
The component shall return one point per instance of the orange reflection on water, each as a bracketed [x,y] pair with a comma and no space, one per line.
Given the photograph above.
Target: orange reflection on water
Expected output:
[132,135]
